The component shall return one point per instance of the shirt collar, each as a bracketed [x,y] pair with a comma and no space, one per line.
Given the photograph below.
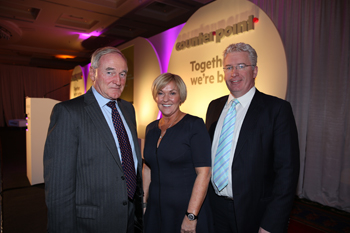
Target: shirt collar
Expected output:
[245,99]
[102,101]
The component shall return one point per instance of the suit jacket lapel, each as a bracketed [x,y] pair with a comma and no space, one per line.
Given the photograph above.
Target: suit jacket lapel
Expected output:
[93,110]
[214,115]
[249,122]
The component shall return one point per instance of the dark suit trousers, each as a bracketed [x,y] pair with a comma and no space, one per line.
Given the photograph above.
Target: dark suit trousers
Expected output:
[131,210]
[223,212]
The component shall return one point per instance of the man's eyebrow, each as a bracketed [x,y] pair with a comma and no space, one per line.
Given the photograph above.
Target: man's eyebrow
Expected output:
[110,68]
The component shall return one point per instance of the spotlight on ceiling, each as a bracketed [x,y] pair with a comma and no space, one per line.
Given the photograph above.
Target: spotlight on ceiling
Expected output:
[62,56]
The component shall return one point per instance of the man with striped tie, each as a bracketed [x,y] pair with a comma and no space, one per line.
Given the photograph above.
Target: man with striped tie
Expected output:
[92,159]
[255,151]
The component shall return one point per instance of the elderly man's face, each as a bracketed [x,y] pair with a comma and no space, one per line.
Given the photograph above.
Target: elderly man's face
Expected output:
[239,82]
[110,77]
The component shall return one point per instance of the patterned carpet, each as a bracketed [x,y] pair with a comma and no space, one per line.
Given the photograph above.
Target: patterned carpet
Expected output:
[322,218]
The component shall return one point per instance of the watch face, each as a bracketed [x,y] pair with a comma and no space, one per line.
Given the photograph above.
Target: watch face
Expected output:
[191,217]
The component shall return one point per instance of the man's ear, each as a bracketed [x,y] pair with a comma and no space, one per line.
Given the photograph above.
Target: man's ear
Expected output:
[92,73]
[255,72]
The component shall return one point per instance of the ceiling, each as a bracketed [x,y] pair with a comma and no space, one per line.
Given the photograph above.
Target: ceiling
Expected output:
[33,32]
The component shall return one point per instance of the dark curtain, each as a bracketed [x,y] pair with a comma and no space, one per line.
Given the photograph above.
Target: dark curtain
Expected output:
[19,82]
[316,37]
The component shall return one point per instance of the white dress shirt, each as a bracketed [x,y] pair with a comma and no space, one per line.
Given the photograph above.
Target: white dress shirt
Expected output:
[241,109]
[107,112]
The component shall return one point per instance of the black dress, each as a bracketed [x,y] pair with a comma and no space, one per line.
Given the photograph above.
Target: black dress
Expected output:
[184,146]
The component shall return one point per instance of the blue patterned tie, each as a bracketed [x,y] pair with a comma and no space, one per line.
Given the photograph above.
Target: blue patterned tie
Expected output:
[222,158]
[125,148]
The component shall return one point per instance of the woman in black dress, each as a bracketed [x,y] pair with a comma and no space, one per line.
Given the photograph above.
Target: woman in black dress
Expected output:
[176,172]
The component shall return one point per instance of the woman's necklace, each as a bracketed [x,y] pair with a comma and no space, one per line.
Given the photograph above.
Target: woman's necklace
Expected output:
[162,134]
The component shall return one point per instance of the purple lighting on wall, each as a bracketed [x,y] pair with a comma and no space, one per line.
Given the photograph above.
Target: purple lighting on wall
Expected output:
[170,37]
[84,36]
[156,52]
[163,44]
[85,70]
[159,115]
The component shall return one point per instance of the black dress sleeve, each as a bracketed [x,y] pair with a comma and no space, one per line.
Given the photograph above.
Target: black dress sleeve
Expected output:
[200,144]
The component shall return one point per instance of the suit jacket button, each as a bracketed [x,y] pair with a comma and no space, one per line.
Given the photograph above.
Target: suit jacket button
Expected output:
[125,202]
[123,177]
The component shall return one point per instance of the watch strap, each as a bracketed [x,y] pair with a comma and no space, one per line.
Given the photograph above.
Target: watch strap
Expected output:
[191,216]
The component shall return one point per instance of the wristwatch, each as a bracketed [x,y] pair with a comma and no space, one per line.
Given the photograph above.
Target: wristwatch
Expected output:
[191,216]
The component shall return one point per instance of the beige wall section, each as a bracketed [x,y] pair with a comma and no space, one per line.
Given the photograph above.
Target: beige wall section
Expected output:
[147,68]
[77,85]
[272,64]
[88,82]
[38,111]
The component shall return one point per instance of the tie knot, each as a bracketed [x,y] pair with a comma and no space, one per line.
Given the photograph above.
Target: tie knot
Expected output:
[111,104]
[234,102]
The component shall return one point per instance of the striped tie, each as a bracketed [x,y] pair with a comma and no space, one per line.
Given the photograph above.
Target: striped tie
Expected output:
[125,148]
[222,158]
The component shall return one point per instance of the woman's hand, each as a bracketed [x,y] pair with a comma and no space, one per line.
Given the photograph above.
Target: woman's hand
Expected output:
[199,192]
[188,226]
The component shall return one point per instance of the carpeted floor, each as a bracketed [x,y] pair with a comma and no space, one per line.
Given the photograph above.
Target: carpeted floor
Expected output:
[319,217]
[23,205]
[24,211]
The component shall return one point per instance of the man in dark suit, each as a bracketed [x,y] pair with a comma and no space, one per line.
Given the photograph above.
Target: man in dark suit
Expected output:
[89,184]
[255,192]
